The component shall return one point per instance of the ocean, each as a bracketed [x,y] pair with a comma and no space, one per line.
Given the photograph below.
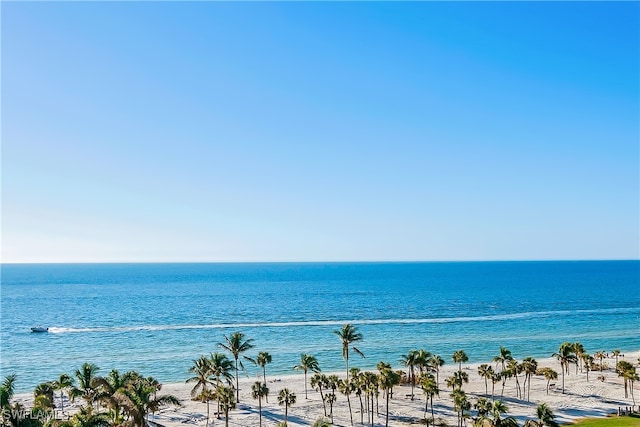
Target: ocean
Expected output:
[158,318]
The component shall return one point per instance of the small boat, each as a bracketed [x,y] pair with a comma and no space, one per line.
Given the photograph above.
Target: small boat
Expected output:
[39,329]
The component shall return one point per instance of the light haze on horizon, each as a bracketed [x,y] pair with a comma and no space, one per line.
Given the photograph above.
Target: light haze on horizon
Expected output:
[216,131]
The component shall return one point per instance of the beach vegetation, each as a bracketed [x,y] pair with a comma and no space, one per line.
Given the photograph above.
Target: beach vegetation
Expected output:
[87,377]
[226,398]
[566,357]
[202,379]
[529,367]
[320,382]
[501,359]
[62,384]
[549,374]
[387,379]
[139,398]
[236,344]
[262,360]
[220,367]
[461,405]
[321,422]
[258,391]
[429,387]
[435,363]
[348,335]
[307,363]
[410,360]
[286,398]
[345,387]
[460,357]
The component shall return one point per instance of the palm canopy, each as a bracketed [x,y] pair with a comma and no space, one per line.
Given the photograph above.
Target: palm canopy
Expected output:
[307,363]
[138,399]
[7,389]
[459,357]
[201,369]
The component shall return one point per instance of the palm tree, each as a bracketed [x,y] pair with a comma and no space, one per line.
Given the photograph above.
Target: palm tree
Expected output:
[86,417]
[330,398]
[514,369]
[307,363]
[631,376]
[436,363]
[545,415]
[497,409]
[138,401]
[565,357]
[578,350]
[529,366]
[7,390]
[258,391]
[459,357]
[460,404]
[262,360]
[236,344]
[549,374]
[220,367]
[388,379]
[348,334]
[43,396]
[107,389]
[423,359]
[63,383]
[346,388]
[600,355]
[587,362]
[409,360]
[202,378]
[623,369]
[87,381]
[429,388]
[318,381]
[502,359]
[286,398]
[225,397]
[616,353]
[485,371]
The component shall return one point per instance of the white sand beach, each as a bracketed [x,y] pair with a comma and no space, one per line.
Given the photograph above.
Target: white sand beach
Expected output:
[582,398]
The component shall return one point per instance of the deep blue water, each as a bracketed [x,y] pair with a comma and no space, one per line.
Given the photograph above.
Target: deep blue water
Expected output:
[157,318]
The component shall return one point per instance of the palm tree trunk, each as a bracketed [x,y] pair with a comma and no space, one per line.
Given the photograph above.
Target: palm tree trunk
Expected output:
[264,378]
[562,379]
[433,416]
[306,397]
[286,411]
[260,409]
[207,424]
[237,384]
[350,413]
[387,415]
[324,404]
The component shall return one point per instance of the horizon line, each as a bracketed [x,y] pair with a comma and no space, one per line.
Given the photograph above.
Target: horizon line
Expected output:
[321,261]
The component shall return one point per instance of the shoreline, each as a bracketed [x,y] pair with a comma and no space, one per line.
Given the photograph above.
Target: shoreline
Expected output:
[581,399]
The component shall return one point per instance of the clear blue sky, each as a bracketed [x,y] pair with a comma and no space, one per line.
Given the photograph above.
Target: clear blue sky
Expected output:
[210,131]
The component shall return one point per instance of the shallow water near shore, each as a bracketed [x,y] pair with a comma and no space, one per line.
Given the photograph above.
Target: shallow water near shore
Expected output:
[157,318]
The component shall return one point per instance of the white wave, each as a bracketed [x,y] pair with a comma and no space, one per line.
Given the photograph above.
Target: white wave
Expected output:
[498,317]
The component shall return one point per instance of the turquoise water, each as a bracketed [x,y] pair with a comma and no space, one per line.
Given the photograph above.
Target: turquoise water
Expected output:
[157,318]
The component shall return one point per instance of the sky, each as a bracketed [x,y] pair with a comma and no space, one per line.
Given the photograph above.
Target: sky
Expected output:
[320,131]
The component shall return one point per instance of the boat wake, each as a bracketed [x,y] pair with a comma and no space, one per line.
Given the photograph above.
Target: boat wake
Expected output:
[489,318]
